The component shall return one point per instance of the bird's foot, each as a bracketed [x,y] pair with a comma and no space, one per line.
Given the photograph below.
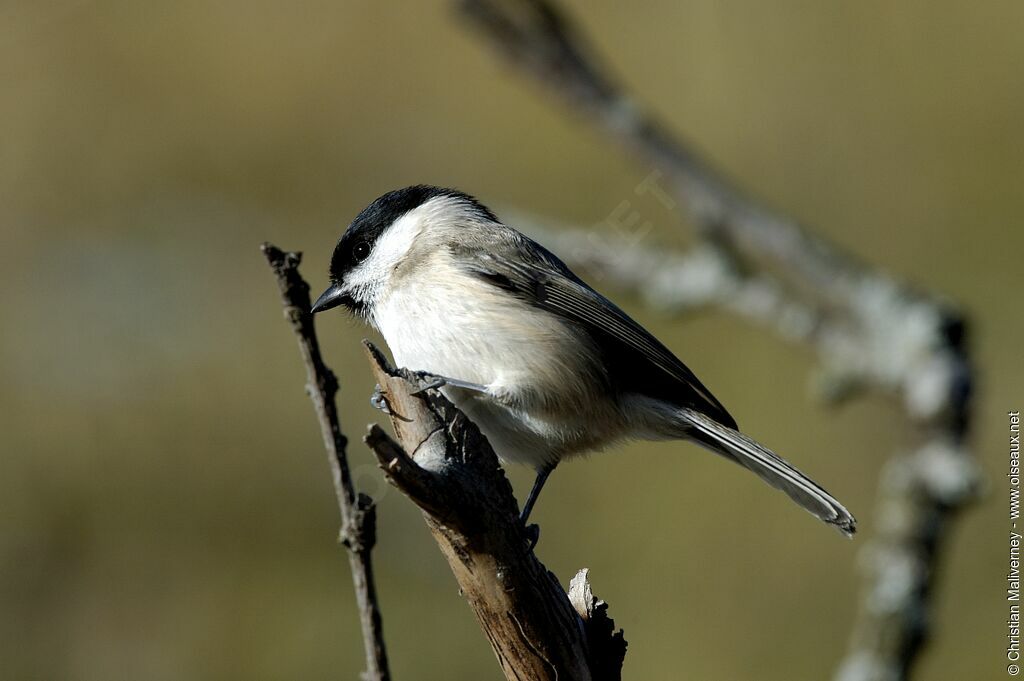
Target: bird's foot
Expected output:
[378,400]
[434,382]
[532,535]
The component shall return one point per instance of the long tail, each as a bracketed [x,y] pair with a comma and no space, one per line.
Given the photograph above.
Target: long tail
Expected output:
[770,467]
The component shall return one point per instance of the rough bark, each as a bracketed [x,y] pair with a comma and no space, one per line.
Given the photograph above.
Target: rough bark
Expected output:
[448,469]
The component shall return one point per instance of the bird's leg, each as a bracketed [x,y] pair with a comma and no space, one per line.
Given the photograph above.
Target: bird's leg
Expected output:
[441,381]
[533,531]
[538,485]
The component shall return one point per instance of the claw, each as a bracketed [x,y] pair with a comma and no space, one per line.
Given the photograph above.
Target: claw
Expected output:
[378,400]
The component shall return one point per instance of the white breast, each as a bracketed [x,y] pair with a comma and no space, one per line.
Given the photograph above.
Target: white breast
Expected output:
[545,401]
[454,324]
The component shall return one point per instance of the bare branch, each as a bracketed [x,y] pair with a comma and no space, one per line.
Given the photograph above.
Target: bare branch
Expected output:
[454,476]
[358,513]
[607,646]
[868,329]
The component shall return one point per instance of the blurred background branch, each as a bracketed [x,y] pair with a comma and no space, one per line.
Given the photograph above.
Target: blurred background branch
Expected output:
[358,512]
[869,329]
[161,517]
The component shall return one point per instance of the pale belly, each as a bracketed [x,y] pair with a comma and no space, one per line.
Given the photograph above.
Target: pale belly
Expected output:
[543,401]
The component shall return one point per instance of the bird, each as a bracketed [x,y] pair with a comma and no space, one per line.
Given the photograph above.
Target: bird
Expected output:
[543,364]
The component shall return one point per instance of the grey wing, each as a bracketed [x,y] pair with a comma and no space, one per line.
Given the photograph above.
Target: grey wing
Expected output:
[636,360]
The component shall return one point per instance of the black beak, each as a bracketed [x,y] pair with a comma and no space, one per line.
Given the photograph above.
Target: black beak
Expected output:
[332,297]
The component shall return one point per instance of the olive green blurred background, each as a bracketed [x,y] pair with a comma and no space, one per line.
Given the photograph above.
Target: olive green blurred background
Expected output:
[165,506]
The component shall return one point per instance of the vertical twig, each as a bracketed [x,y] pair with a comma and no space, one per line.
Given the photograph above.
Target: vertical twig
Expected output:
[358,513]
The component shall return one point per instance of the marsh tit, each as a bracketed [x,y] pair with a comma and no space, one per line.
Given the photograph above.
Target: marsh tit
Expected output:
[547,367]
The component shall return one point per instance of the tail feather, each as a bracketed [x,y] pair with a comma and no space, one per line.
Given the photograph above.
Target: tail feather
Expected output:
[771,468]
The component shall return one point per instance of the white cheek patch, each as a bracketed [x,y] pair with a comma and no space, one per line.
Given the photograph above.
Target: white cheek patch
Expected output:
[372,275]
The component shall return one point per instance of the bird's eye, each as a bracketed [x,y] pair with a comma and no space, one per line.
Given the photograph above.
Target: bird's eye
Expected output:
[361,251]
